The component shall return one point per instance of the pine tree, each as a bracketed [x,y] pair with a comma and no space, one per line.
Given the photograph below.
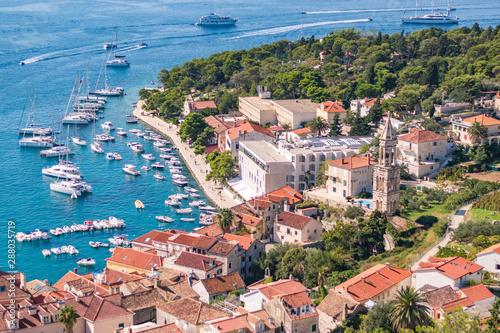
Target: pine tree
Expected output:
[336,126]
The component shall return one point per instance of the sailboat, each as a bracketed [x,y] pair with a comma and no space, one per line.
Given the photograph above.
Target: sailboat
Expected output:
[106,91]
[40,141]
[32,127]
[95,146]
[431,18]
[111,45]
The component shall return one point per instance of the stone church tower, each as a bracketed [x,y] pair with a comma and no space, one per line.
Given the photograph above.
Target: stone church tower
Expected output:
[386,175]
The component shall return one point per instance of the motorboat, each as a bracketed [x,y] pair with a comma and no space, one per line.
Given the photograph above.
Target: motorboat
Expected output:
[164,218]
[137,148]
[77,119]
[109,45]
[196,203]
[145,168]
[216,20]
[101,244]
[72,250]
[159,176]
[108,126]
[180,182]
[96,147]
[94,245]
[121,132]
[86,262]
[190,189]
[157,165]
[37,142]
[117,156]
[46,253]
[112,249]
[166,150]
[149,138]
[194,195]
[75,228]
[143,44]
[165,156]
[68,171]
[67,230]
[130,169]
[187,219]
[210,208]
[175,170]
[139,134]
[56,151]
[173,202]
[134,130]
[118,61]
[149,157]
[181,196]
[110,156]
[104,137]
[55,250]
[184,211]
[78,141]
[54,232]
[74,188]
[117,91]
[60,231]
[159,144]
[132,120]
[139,204]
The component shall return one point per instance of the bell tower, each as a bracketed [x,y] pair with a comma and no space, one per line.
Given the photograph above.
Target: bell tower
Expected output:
[386,174]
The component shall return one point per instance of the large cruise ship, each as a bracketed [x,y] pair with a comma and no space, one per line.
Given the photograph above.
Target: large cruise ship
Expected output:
[215,20]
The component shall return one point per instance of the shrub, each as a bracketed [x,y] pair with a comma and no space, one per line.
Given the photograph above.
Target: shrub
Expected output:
[306,204]
[451,251]
[440,228]
[427,220]
[353,211]
[481,241]
[364,195]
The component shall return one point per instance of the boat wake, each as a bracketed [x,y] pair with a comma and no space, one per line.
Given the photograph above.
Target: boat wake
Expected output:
[131,48]
[279,30]
[362,11]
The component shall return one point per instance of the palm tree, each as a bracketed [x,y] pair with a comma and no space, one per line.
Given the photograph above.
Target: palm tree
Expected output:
[319,125]
[68,317]
[322,273]
[225,219]
[409,310]
[477,131]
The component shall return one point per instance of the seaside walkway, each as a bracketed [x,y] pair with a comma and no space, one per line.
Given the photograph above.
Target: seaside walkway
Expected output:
[196,164]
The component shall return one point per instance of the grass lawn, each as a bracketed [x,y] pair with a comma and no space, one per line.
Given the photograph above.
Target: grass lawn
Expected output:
[435,209]
[477,214]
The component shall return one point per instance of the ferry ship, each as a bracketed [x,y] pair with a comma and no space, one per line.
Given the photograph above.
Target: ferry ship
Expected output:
[215,20]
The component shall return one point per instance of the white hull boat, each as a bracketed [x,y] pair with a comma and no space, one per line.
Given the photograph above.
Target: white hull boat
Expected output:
[216,20]
[37,142]
[86,262]
[165,219]
[46,253]
[71,187]
[57,151]
[96,148]
[184,211]
[68,171]
[78,141]
[108,126]
[130,169]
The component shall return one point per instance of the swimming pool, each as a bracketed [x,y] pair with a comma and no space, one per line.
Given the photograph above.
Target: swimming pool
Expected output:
[364,203]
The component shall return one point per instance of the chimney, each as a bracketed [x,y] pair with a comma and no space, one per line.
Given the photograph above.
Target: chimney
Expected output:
[32,310]
[290,277]
[362,277]
[77,299]
[155,283]
[239,132]
[20,314]
[75,270]
[342,160]
[378,271]
[344,312]
[368,156]
[387,265]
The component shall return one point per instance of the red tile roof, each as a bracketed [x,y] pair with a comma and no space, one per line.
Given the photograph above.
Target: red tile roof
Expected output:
[276,128]
[485,120]
[245,242]
[293,220]
[453,305]
[137,259]
[302,130]
[418,136]
[153,235]
[203,105]
[297,299]
[454,267]
[167,328]
[200,242]
[247,128]
[477,293]
[197,261]
[212,230]
[193,311]
[70,277]
[217,124]
[373,281]
[249,219]
[278,288]
[222,247]
[331,107]
[492,248]
[369,102]
[223,284]
[440,296]
[352,162]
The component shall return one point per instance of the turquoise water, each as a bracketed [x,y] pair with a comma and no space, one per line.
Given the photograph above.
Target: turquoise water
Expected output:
[58,38]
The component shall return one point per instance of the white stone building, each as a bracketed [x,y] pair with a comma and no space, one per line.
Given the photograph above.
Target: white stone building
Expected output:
[295,228]
[348,177]
[459,129]
[490,259]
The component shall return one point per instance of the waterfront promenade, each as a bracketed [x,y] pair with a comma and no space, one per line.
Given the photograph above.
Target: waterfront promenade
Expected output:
[196,164]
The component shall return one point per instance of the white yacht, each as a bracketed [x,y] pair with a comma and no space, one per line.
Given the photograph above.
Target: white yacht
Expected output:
[121,132]
[56,151]
[107,125]
[72,187]
[33,130]
[149,157]
[109,45]
[96,148]
[130,169]
[118,61]
[86,262]
[110,156]
[77,119]
[69,171]
[104,137]
[78,141]
[37,142]
[118,91]
[216,20]
[137,148]
[431,18]
[92,99]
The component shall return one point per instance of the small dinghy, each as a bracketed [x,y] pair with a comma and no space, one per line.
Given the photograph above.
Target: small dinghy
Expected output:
[187,219]
[139,204]
[86,262]
[46,253]
[159,176]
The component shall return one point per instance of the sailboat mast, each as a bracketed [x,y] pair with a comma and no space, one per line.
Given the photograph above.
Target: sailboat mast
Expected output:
[33,124]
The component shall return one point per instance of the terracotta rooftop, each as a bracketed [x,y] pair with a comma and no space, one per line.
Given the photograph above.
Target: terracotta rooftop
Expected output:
[223,247]
[192,311]
[492,248]
[462,302]
[167,328]
[133,258]
[200,242]
[485,120]
[244,242]
[223,284]
[217,124]
[293,220]
[249,219]
[70,278]
[296,300]
[247,128]
[477,293]
[373,281]
[453,267]
[332,107]
[196,261]
[304,130]
[153,235]
[146,299]
[212,230]
[418,136]
[352,162]
[241,321]
[369,101]
[276,128]
[440,296]
[34,286]
[333,305]
[203,105]
[278,288]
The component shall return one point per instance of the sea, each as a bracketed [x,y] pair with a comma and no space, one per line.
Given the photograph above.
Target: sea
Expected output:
[58,39]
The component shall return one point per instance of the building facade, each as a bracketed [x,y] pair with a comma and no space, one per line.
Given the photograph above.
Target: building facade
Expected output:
[348,177]
[460,129]
[328,110]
